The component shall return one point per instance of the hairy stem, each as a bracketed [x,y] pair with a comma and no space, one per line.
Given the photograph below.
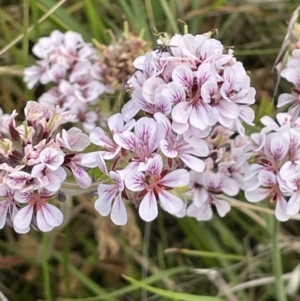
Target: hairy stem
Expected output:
[45,266]
[276,261]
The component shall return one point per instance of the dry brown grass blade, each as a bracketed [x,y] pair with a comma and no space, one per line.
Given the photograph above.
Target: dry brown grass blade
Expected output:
[238,204]
[227,9]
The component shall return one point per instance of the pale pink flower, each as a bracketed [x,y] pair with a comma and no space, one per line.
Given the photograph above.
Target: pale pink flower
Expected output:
[194,83]
[293,182]
[66,62]
[110,199]
[275,175]
[99,137]
[143,142]
[47,215]
[22,181]
[33,74]
[73,139]
[73,163]
[153,185]
[51,179]
[205,188]
[272,189]
[293,99]
[8,206]
[33,167]
[51,158]
[174,146]
[291,71]
[285,121]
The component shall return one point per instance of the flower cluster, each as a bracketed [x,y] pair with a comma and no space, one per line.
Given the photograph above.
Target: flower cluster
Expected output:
[274,173]
[196,84]
[34,162]
[225,167]
[292,73]
[189,92]
[70,65]
[275,151]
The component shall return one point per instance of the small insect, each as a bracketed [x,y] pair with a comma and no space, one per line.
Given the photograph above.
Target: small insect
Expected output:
[163,48]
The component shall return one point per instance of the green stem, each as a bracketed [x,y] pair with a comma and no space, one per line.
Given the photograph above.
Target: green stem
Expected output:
[45,266]
[276,260]
[66,260]
[26,5]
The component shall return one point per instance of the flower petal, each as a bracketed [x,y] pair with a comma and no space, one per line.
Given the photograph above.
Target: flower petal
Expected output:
[257,195]
[154,165]
[281,208]
[162,104]
[130,109]
[149,87]
[181,112]
[176,178]
[99,137]
[90,159]
[293,205]
[230,187]
[193,162]
[148,208]
[145,128]
[167,150]
[200,197]
[48,217]
[23,219]
[116,123]
[118,211]
[170,202]
[51,157]
[106,194]
[82,178]
[267,178]
[126,140]
[183,75]
[222,207]
[135,181]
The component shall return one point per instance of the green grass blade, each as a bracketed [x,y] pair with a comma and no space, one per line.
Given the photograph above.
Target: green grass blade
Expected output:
[133,287]
[168,294]
[35,16]
[96,22]
[172,19]
[89,284]
[8,37]
[64,19]
[206,254]
[5,16]
[25,46]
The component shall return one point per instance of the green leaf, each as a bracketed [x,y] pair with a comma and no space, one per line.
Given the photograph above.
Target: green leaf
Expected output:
[168,294]
[206,254]
[133,287]
[170,15]
[64,19]
[96,22]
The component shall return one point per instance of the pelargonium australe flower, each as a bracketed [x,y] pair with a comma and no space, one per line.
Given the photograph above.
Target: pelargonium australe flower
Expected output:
[34,162]
[66,62]
[225,167]
[292,74]
[196,84]
[274,173]
[153,185]
[191,94]
[145,155]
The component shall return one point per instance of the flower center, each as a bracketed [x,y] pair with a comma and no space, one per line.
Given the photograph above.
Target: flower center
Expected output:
[154,185]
